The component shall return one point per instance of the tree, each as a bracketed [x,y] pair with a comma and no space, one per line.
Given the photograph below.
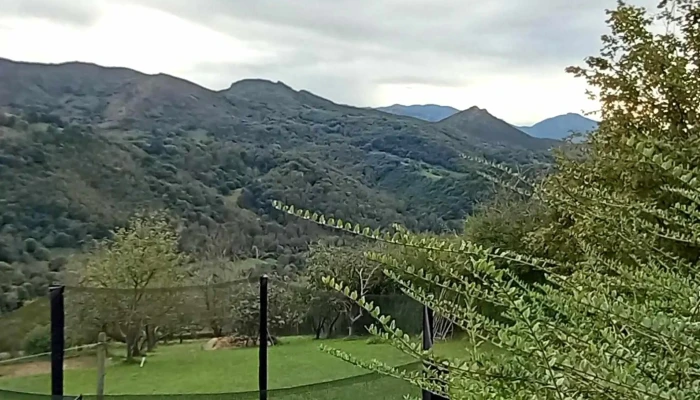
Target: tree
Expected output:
[619,318]
[349,265]
[213,273]
[647,86]
[128,282]
[324,306]
[598,329]
[286,308]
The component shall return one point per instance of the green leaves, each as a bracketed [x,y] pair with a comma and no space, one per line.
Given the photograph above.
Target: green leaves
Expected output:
[616,314]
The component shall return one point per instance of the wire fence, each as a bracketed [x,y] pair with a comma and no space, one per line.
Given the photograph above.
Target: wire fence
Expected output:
[206,336]
[47,354]
[371,385]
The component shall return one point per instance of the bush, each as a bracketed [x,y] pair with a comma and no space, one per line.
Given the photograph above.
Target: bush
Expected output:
[57,264]
[377,340]
[279,341]
[42,254]
[30,245]
[7,120]
[38,340]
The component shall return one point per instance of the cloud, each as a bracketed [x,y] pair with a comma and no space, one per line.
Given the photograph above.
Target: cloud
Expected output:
[506,55]
[383,41]
[73,12]
[511,32]
[408,80]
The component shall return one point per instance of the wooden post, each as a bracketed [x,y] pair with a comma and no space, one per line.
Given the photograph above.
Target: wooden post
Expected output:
[101,361]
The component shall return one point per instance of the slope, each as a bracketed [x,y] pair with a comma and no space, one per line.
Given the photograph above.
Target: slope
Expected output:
[86,146]
[479,123]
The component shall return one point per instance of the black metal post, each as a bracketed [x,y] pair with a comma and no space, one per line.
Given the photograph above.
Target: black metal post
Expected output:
[428,336]
[57,340]
[264,336]
[427,340]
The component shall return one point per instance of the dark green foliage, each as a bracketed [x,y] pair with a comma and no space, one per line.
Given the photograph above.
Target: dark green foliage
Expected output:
[57,264]
[510,222]
[42,254]
[30,245]
[38,340]
[65,189]
[7,120]
[73,168]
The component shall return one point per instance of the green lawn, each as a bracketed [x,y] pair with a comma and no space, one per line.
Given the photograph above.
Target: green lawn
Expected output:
[186,369]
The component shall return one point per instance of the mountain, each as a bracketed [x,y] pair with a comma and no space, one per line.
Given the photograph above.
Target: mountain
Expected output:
[426,112]
[83,147]
[479,123]
[561,126]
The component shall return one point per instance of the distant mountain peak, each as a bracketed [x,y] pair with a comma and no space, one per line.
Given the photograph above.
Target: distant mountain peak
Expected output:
[475,110]
[259,82]
[477,113]
[478,122]
[561,126]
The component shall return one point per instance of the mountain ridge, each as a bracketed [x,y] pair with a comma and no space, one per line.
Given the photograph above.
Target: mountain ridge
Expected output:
[128,98]
[553,128]
[84,147]
[263,118]
[426,112]
[480,123]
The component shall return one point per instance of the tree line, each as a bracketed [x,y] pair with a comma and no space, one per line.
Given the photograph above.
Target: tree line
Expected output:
[140,288]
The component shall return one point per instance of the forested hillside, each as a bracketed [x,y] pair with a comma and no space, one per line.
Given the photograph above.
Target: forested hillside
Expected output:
[83,147]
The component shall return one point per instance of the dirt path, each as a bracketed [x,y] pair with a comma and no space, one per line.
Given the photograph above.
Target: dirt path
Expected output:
[43,367]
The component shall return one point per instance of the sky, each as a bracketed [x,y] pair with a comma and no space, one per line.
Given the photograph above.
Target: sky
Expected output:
[507,56]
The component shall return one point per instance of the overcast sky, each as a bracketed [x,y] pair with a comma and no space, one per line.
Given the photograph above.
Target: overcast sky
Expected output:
[507,56]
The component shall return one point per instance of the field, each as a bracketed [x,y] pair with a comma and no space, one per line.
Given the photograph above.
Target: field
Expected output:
[187,369]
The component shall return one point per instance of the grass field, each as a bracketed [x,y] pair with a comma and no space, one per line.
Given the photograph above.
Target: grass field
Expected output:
[186,369]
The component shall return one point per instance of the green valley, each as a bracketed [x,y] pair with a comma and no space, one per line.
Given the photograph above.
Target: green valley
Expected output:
[83,147]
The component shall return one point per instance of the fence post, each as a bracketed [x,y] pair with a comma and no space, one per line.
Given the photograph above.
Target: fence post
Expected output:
[264,335]
[101,361]
[58,323]
[427,341]
[428,336]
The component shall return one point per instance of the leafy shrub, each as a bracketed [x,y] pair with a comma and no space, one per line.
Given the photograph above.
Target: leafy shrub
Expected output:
[42,254]
[38,340]
[377,340]
[57,263]
[30,245]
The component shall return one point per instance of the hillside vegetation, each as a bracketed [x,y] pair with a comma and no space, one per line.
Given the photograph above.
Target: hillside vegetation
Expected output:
[83,147]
